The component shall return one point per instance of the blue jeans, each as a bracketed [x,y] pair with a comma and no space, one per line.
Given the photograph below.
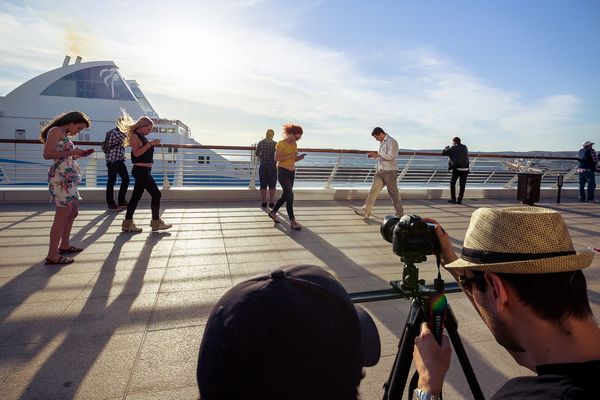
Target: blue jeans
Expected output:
[588,177]
[116,168]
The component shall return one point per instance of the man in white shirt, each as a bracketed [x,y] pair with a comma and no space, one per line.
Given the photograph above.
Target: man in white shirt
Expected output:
[386,175]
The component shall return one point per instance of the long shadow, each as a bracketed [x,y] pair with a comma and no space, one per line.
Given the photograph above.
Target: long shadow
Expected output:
[307,239]
[27,218]
[36,278]
[63,372]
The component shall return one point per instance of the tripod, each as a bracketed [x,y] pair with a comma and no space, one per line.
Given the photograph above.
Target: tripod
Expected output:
[420,294]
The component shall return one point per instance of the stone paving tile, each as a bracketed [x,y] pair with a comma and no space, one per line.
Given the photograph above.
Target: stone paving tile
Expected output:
[167,360]
[128,315]
[74,367]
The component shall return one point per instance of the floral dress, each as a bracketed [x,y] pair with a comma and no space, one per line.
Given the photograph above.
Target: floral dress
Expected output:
[64,176]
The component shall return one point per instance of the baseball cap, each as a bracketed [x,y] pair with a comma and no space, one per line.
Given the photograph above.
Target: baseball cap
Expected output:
[291,334]
[587,143]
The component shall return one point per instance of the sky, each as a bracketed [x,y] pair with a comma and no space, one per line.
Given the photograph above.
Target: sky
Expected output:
[516,75]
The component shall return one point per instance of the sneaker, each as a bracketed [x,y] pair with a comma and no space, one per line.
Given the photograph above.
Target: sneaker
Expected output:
[597,249]
[159,224]
[113,207]
[452,201]
[271,205]
[128,226]
[123,204]
[459,201]
[263,205]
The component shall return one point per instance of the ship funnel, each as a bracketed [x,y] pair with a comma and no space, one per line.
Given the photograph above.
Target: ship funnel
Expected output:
[78,60]
[66,61]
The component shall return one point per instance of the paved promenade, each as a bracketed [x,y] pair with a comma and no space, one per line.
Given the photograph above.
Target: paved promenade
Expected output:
[126,319]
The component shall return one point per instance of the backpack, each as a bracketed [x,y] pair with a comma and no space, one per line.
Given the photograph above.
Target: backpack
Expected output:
[104,144]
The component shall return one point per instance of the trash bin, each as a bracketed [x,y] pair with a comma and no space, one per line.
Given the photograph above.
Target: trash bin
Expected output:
[528,187]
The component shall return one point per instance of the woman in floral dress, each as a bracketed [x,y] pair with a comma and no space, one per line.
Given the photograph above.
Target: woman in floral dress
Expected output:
[63,179]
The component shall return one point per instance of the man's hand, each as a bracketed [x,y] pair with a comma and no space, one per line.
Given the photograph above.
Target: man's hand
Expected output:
[448,254]
[432,360]
[373,154]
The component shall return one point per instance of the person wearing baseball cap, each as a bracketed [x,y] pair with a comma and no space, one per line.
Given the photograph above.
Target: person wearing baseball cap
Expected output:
[522,274]
[586,169]
[291,334]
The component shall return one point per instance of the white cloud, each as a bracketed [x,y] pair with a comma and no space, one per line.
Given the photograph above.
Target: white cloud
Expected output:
[268,77]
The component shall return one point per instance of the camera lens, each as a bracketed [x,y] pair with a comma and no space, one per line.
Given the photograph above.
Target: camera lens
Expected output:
[387,227]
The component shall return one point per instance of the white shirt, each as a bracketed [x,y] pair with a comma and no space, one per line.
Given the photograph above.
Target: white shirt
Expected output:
[388,154]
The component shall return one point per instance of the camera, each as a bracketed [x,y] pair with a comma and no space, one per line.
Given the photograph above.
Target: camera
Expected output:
[412,239]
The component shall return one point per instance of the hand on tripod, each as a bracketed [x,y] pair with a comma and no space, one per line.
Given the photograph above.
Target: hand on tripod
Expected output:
[432,360]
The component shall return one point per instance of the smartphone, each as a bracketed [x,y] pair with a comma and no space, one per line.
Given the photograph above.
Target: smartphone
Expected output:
[87,152]
[302,155]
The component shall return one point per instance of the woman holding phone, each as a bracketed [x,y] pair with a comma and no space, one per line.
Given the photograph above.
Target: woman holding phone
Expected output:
[142,157]
[286,155]
[63,180]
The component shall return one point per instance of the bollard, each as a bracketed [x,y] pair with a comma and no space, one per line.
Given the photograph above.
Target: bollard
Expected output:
[559,185]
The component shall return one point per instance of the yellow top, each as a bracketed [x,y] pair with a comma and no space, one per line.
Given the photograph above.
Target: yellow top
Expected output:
[284,148]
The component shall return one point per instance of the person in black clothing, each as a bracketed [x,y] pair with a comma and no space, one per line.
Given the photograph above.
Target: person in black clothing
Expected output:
[587,172]
[529,288]
[115,164]
[458,163]
[142,152]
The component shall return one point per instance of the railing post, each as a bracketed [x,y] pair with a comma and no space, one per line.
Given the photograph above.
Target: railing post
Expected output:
[333,172]
[405,169]
[90,172]
[256,165]
[166,183]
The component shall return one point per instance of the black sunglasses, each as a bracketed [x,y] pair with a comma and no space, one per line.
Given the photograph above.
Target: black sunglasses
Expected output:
[467,283]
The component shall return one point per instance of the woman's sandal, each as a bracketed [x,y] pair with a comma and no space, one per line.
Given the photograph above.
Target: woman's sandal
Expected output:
[71,249]
[295,226]
[59,261]
[273,216]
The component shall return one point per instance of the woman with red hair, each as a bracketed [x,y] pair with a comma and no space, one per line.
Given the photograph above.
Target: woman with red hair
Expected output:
[286,155]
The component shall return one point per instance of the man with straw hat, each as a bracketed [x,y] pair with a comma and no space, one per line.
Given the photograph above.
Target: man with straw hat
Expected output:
[521,272]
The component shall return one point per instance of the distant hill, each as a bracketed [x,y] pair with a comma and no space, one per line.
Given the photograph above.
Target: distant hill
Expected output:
[517,154]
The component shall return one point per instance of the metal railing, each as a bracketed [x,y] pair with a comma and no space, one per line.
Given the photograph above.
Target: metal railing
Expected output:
[21,164]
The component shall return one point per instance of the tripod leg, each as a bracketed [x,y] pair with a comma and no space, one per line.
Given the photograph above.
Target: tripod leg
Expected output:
[396,382]
[452,329]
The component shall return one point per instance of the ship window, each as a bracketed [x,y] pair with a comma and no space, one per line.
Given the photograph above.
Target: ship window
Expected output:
[203,159]
[91,83]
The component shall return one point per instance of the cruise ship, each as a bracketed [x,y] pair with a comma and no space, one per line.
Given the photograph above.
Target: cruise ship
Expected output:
[98,89]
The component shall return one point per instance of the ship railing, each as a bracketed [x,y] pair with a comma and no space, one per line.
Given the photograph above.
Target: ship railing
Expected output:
[21,165]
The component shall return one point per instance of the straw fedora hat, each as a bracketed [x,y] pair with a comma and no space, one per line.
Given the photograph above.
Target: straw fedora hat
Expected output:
[519,240]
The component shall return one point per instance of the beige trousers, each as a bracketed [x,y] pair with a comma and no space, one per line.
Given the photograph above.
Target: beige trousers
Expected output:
[389,180]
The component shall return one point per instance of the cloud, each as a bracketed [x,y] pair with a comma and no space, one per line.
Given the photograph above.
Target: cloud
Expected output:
[267,76]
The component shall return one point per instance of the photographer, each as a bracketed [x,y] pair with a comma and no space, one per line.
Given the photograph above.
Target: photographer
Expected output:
[458,163]
[526,283]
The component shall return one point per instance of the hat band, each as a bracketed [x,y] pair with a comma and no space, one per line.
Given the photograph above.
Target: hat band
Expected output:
[492,257]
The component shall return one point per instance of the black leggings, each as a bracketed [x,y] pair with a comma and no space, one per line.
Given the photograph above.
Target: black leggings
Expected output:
[143,181]
[286,180]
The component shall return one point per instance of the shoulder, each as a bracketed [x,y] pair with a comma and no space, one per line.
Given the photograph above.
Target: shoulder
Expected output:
[55,134]
[541,387]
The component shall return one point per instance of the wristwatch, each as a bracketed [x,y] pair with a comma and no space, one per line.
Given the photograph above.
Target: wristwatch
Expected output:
[421,395]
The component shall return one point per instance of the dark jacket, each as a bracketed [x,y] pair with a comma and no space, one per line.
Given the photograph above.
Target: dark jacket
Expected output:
[585,158]
[458,155]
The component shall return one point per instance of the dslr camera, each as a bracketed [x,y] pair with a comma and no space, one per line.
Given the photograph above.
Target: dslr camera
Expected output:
[412,239]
